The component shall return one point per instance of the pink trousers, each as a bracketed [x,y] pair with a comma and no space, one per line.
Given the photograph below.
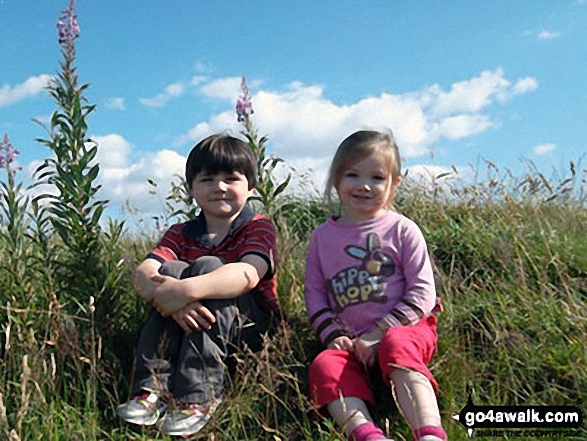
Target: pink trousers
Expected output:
[335,372]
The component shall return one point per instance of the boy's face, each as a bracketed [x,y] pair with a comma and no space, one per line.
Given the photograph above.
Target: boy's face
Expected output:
[222,195]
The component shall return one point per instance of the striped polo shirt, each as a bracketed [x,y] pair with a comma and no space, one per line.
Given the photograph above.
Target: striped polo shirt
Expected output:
[248,234]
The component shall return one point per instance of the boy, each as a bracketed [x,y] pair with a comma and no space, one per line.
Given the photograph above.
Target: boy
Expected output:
[212,284]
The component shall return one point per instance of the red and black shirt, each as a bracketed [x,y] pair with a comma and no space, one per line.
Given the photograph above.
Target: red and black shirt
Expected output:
[248,234]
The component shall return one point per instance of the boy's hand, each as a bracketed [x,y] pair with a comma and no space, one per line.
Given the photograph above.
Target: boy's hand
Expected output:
[344,343]
[169,295]
[194,316]
[367,345]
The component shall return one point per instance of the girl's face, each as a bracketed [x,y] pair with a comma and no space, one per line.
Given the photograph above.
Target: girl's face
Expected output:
[365,189]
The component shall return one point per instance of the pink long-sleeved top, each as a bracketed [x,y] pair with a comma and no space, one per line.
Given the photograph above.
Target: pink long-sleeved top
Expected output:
[359,276]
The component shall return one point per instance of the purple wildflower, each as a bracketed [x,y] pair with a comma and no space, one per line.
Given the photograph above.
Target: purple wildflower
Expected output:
[7,154]
[244,107]
[67,26]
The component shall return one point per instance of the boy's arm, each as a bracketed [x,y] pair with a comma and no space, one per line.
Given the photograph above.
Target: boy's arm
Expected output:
[228,281]
[194,317]
[141,278]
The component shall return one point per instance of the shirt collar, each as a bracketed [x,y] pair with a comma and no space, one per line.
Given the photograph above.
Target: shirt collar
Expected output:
[196,228]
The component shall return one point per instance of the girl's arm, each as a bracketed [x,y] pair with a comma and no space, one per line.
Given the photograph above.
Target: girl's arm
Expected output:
[419,293]
[322,318]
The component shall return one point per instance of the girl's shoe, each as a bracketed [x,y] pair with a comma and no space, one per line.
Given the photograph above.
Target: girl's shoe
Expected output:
[188,419]
[143,409]
[368,432]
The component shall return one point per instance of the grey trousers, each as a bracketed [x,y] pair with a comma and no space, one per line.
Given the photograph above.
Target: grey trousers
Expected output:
[193,366]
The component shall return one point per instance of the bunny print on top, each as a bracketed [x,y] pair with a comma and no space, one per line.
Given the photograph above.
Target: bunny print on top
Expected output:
[364,281]
[375,271]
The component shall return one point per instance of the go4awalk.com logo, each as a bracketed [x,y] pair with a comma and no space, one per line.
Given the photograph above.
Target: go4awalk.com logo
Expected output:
[552,418]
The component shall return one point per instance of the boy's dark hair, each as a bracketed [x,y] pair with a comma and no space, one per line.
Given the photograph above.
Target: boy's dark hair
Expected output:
[221,153]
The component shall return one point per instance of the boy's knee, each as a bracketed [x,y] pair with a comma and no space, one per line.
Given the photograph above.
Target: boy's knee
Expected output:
[173,268]
[202,265]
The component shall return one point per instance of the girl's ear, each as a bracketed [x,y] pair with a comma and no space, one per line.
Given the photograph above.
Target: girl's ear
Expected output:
[392,187]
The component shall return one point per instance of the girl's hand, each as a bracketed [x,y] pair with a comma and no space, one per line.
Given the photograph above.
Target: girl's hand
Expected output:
[194,317]
[342,343]
[169,295]
[367,345]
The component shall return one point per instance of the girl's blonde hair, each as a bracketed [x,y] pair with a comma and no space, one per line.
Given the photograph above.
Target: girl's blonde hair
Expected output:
[357,147]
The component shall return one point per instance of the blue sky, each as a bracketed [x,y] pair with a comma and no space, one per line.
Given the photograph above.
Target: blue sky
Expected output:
[456,81]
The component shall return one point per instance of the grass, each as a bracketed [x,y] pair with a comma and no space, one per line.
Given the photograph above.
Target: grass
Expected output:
[510,258]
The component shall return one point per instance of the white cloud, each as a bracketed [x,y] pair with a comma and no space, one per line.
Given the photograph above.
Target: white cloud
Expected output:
[113,150]
[116,103]
[308,175]
[305,127]
[429,174]
[461,126]
[525,85]
[125,179]
[129,184]
[202,67]
[301,122]
[226,89]
[477,93]
[197,80]
[225,121]
[31,87]
[548,35]
[544,149]
[124,175]
[172,91]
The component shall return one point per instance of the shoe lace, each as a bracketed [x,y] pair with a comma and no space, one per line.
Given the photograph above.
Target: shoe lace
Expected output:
[142,395]
[193,406]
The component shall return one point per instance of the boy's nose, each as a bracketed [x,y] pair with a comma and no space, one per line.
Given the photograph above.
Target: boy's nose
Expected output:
[221,185]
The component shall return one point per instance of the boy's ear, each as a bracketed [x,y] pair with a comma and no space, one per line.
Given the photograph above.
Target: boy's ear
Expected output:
[191,191]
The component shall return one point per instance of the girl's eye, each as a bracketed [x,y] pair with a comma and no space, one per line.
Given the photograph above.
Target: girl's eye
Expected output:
[350,174]
[379,178]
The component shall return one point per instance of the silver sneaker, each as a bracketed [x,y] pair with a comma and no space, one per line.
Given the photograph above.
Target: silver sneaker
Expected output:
[144,409]
[188,419]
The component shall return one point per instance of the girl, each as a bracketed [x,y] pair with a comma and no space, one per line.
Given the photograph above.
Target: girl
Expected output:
[370,296]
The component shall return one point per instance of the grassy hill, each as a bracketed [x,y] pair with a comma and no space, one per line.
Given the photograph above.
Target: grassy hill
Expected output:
[511,268]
